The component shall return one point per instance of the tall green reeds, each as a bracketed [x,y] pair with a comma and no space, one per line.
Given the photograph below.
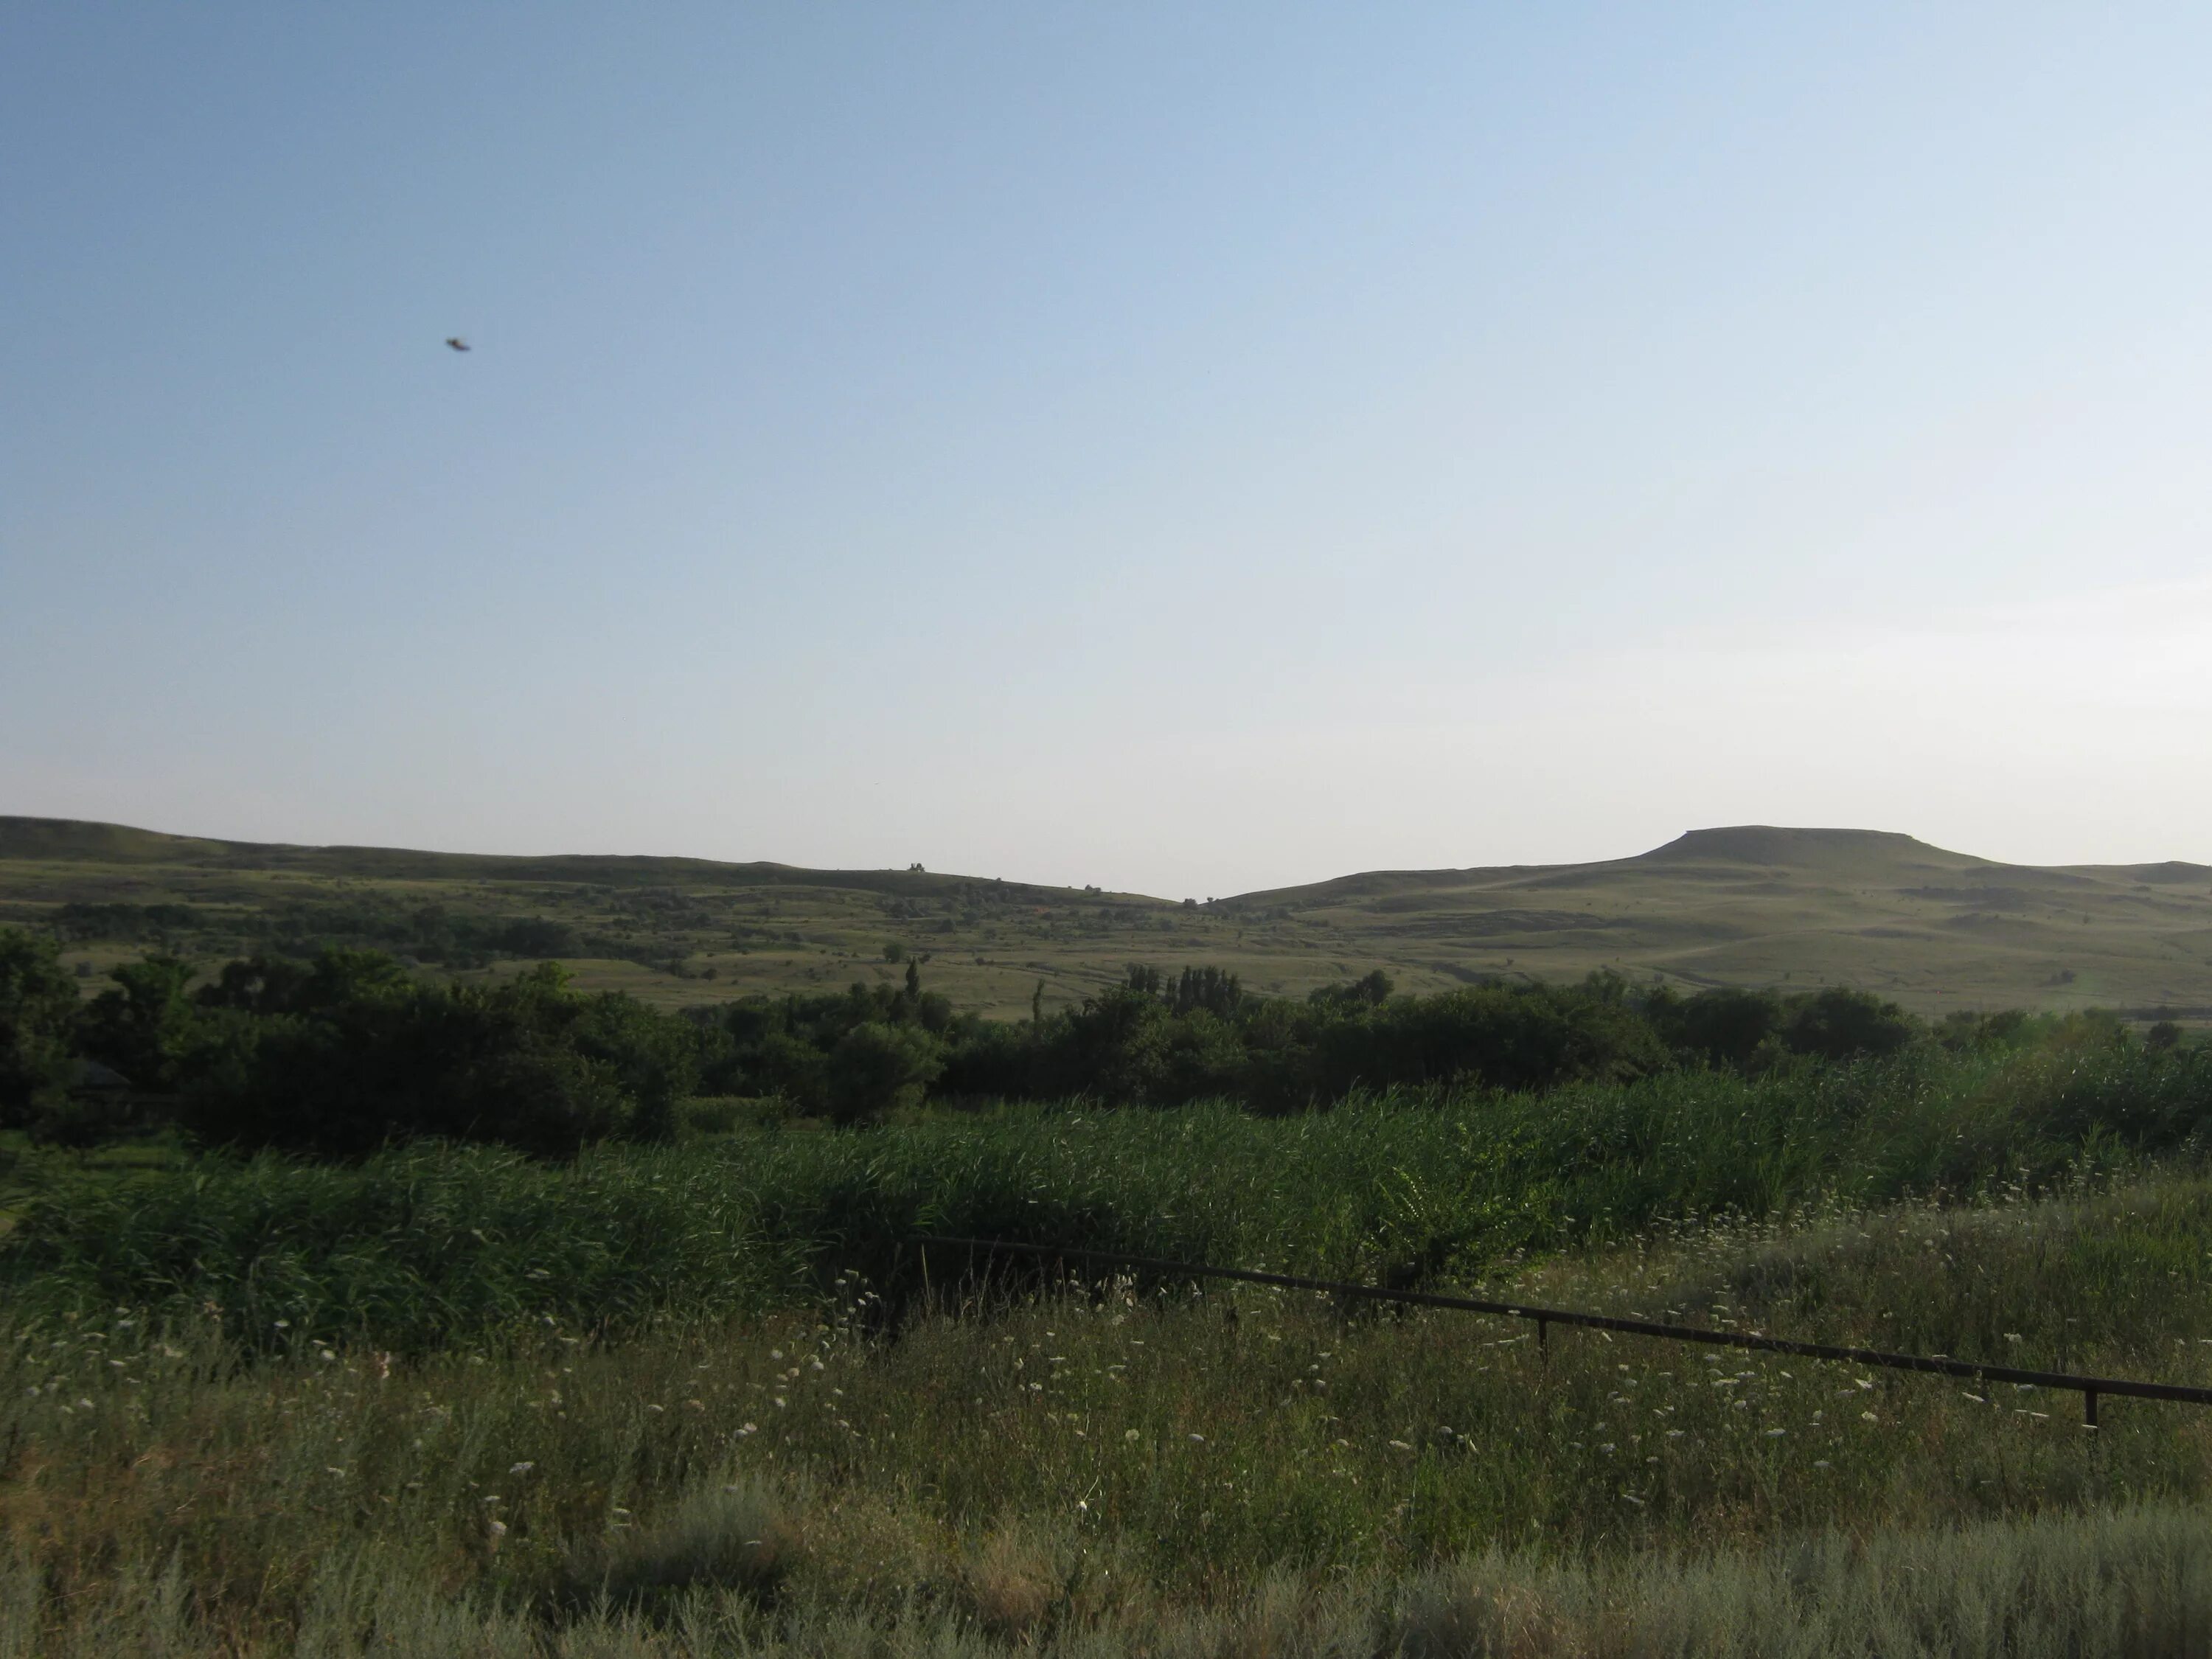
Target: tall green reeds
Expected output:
[428,1245]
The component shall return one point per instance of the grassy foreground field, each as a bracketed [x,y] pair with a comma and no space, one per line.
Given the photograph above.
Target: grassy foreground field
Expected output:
[705,1400]
[1933,930]
[1114,1470]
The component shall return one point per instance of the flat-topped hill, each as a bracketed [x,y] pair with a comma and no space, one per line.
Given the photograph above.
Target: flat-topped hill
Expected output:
[1757,904]
[1767,844]
[1748,904]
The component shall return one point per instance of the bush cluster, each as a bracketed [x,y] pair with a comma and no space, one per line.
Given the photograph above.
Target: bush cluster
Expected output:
[335,1057]
[343,1052]
[1153,1040]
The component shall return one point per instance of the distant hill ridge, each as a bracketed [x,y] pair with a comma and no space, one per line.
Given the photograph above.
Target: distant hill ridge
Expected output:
[75,840]
[1749,844]
[109,843]
[1743,905]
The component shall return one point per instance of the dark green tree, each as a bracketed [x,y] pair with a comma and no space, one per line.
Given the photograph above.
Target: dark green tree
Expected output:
[1114,1047]
[1725,1027]
[1371,991]
[39,1012]
[146,1026]
[877,1067]
[1845,1025]
[1210,989]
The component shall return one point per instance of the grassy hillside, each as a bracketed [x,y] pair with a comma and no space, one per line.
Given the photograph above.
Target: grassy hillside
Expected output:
[1750,905]
[1769,907]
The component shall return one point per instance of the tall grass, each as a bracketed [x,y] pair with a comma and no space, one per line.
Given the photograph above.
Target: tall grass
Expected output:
[704,1400]
[421,1247]
[1114,1471]
[2136,1583]
[412,1249]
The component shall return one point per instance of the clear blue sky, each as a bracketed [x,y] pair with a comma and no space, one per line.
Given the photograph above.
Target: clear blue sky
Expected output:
[1187,448]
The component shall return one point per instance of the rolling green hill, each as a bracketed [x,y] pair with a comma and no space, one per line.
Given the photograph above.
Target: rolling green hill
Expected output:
[1753,905]
[1746,905]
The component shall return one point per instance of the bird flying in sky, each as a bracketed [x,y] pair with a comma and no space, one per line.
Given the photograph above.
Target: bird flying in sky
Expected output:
[457,343]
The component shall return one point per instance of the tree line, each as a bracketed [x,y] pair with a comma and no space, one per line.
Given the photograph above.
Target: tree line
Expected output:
[346,1051]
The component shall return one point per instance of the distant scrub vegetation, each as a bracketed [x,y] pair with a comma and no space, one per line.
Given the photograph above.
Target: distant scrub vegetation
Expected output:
[429,933]
[345,1052]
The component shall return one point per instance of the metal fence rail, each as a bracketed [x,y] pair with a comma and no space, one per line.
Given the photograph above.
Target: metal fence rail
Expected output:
[2089,1387]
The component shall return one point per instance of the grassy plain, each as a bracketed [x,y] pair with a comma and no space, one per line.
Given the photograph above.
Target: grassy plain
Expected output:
[709,1398]
[1933,930]
[1114,1470]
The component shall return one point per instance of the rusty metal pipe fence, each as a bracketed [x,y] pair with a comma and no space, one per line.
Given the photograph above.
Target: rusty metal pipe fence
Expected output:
[2091,1389]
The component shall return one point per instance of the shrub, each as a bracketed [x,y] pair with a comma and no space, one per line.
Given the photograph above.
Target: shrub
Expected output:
[496,1063]
[1504,1037]
[1725,1027]
[1843,1024]
[345,1056]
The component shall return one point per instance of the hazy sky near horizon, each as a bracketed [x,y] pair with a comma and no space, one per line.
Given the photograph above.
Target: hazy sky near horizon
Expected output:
[1189,449]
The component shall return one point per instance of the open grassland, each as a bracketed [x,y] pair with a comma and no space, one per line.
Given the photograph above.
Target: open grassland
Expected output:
[1933,930]
[711,1398]
[671,930]
[1114,1468]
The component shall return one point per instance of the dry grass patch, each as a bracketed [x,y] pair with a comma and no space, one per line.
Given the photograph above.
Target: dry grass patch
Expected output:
[732,1534]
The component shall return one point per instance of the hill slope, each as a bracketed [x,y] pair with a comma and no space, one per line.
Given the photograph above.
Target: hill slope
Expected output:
[1758,905]
[1750,904]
